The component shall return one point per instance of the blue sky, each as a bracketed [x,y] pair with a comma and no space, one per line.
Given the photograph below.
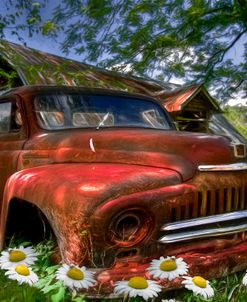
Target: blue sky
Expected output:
[46,44]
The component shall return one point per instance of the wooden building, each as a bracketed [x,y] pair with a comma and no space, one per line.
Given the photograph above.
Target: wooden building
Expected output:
[191,107]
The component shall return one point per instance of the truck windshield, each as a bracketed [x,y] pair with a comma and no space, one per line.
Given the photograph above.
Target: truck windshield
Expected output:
[63,111]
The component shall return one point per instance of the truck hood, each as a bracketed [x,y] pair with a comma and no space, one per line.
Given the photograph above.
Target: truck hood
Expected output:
[179,151]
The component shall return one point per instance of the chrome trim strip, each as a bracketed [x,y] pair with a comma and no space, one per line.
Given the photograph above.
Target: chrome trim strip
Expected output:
[230,167]
[213,232]
[204,220]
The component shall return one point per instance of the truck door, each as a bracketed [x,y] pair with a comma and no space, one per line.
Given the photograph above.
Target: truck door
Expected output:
[12,138]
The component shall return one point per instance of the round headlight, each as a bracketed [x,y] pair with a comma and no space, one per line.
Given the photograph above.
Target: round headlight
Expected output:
[130,227]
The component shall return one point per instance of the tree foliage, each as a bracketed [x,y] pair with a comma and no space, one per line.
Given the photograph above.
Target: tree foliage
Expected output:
[238,118]
[187,39]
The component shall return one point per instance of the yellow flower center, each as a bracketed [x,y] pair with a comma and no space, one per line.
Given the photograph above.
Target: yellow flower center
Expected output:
[75,273]
[138,282]
[199,281]
[16,256]
[22,270]
[168,265]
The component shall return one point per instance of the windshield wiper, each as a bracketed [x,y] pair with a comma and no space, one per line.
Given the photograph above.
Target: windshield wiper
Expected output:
[101,123]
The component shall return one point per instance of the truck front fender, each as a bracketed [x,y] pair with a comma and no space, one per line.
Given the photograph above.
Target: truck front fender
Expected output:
[68,194]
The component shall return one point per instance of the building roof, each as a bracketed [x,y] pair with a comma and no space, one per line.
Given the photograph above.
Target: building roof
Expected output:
[177,99]
[39,68]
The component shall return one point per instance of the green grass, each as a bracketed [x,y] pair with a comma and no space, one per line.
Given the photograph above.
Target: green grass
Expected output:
[226,289]
[48,289]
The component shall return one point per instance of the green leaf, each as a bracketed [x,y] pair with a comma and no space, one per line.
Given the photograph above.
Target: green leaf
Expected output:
[48,27]
[32,20]
[59,296]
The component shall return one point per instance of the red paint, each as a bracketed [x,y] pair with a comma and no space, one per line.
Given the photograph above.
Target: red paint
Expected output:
[135,177]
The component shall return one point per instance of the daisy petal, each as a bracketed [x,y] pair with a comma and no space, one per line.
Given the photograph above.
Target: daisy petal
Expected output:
[137,286]
[199,286]
[75,277]
[168,268]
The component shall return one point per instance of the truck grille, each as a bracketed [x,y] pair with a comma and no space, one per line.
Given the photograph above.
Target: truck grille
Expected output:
[217,207]
[209,202]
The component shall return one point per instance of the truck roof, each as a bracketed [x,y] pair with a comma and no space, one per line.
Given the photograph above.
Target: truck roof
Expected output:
[40,89]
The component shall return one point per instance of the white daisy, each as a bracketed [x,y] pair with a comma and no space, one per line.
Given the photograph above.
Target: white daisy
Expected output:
[199,286]
[137,286]
[245,279]
[22,274]
[20,255]
[75,277]
[168,268]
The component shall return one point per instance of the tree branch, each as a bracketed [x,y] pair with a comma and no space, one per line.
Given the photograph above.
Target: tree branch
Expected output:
[221,53]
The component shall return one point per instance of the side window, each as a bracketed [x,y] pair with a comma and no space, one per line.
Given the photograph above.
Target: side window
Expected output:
[5,117]
[16,119]
[10,117]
